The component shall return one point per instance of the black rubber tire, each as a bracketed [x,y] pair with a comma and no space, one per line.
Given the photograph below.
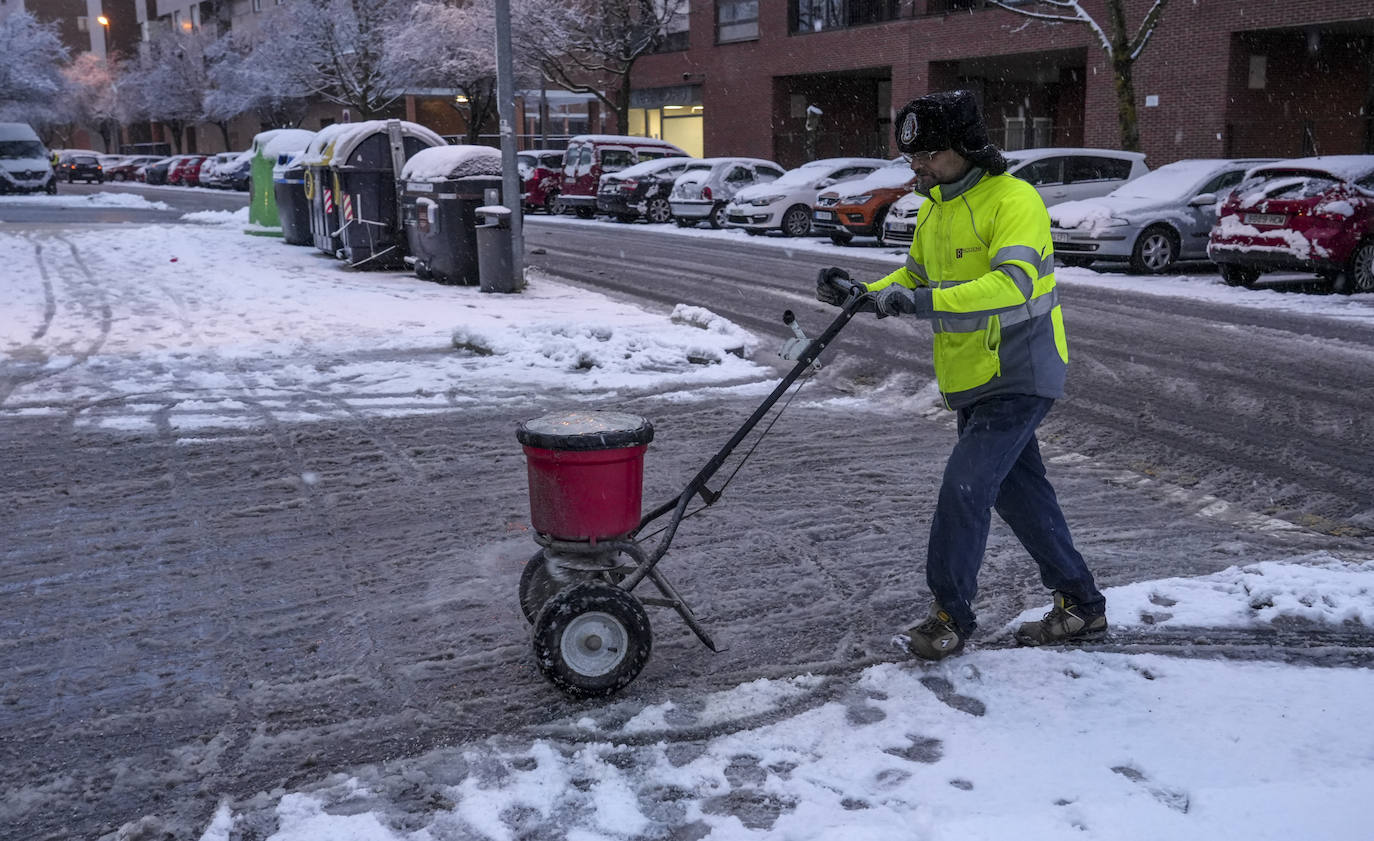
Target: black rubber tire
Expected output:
[796,222]
[1233,275]
[584,212]
[536,586]
[602,628]
[717,217]
[658,211]
[1359,272]
[685,223]
[551,204]
[1155,251]
[841,239]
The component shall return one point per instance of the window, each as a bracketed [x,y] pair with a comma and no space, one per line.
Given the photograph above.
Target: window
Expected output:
[1014,135]
[819,15]
[257,5]
[1082,168]
[737,20]
[675,34]
[613,160]
[1041,173]
[1223,182]
[654,154]
[739,175]
[83,24]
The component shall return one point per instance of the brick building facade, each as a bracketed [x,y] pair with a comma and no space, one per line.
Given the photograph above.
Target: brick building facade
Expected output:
[1218,77]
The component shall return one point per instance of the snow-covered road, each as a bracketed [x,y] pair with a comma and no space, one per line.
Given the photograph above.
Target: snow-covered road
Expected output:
[264,522]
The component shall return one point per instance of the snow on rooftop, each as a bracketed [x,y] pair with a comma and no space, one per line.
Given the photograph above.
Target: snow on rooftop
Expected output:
[439,163]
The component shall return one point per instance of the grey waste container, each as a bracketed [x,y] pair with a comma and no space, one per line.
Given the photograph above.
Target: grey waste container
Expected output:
[293,208]
[493,250]
[440,219]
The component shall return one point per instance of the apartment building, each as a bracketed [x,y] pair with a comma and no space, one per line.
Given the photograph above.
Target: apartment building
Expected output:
[1218,77]
[103,27]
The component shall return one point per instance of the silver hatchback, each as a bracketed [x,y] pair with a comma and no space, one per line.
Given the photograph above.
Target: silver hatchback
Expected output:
[1152,222]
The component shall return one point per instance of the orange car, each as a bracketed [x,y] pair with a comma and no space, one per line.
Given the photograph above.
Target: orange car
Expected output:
[858,208]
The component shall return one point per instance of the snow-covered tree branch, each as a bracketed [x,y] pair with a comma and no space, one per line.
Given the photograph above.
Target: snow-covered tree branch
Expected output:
[439,45]
[31,80]
[1122,46]
[591,46]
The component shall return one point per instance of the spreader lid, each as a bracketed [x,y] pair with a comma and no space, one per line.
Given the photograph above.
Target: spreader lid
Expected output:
[581,431]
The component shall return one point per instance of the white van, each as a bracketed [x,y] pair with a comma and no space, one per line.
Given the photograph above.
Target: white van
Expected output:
[24,164]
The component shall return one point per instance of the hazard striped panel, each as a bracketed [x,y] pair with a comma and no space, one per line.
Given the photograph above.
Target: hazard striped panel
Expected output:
[347,207]
[328,200]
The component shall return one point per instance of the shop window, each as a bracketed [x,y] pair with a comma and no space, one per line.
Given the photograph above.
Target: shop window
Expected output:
[737,20]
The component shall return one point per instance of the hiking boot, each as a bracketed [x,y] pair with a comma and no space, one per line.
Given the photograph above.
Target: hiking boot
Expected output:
[1065,622]
[934,639]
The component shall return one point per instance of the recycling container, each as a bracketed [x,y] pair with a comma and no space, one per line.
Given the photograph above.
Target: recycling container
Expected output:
[319,189]
[441,190]
[366,163]
[586,473]
[293,210]
[267,147]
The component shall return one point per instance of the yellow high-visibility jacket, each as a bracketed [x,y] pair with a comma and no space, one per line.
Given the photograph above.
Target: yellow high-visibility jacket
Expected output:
[982,249]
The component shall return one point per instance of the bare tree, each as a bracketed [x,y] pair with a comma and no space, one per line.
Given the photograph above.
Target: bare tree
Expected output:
[1122,47]
[239,86]
[334,49]
[442,45]
[93,95]
[31,80]
[167,82]
[591,46]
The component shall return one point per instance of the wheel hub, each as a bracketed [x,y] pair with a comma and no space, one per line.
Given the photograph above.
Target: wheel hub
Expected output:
[594,643]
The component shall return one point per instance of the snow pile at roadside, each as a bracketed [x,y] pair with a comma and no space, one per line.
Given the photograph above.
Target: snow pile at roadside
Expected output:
[131,201]
[1320,590]
[1032,744]
[217,217]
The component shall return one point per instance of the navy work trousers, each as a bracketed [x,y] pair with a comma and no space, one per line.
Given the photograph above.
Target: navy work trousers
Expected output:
[996,464]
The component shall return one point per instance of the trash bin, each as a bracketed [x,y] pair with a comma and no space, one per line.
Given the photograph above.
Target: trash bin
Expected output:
[366,163]
[494,250]
[293,210]
[441,189]
[267,146]
[319,189]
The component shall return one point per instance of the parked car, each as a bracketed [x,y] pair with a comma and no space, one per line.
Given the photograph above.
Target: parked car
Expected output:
[1304,214]
[155,172]
[643,189]
[787,203]
[1061,175]
[859,208]
[900,225]
[540,172]
[590,156]
[185,171]
[210,169]
[82,168]
[24,163]
[703,194]
[238,173]
[127,169]
[1153,222]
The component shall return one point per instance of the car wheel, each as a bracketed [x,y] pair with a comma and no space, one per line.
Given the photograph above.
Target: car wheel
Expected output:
[1359,273]
[685,223]
[585,213]
[841,239]
[119,176]
[1233,275]
[796,222]
[717,217]
[1156,250]
[552,205]
[879,220]
[658,211]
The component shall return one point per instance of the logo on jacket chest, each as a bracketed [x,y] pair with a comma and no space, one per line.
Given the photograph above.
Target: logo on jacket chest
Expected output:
[960,252]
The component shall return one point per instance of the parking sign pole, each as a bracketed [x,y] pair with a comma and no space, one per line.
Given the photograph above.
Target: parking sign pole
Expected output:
[505,109]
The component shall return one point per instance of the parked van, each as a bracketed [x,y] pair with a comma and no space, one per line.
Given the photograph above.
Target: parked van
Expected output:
[590,156]
[24,164]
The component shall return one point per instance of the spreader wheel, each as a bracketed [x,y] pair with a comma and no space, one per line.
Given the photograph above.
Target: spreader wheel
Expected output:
[592,639]
[536,585]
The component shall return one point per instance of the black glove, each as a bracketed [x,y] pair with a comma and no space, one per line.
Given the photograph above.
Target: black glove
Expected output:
[833,286]
[895,299]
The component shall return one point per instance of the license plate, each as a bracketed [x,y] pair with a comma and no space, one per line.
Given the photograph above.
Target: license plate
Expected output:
[1059,237]
[1265,218]
[824,215]
[899,227]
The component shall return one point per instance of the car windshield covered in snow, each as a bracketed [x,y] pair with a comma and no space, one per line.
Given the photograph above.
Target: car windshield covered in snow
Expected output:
[1172,181]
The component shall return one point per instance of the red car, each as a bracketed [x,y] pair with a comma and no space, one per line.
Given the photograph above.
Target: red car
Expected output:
[127,169]
[185,170]
[1306,214]
[540,172]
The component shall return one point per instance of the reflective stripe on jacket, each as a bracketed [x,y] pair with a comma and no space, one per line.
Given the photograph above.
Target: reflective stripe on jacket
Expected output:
[983,246]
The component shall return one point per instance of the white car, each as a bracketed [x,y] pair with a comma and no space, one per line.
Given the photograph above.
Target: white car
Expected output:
[701,195]
[786,204]
[1068,174]
[1058,175]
